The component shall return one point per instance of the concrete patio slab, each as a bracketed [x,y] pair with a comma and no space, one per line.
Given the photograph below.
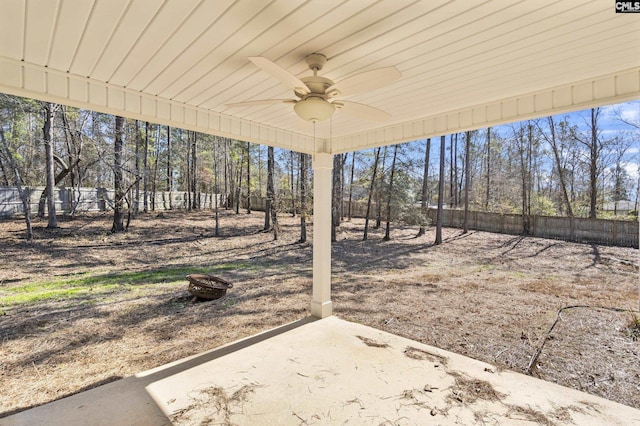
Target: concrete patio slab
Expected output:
[328,371]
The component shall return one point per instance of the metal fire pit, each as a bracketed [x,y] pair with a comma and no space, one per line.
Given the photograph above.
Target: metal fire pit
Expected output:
[207,286]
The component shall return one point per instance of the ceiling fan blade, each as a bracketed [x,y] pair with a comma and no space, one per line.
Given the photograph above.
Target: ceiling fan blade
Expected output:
[260,102]
[280,73]
[366,81]
[363,111]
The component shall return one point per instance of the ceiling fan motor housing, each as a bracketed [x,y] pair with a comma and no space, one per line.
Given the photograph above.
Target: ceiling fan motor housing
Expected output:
[314,106]
[316,61]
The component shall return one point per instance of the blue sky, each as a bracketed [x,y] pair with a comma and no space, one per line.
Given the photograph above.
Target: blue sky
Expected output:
[612,125]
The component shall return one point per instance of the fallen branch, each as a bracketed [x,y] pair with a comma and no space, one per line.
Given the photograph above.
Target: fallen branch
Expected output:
[534,358]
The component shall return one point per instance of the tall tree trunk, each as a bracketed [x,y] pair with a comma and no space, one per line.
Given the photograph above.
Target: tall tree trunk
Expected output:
[488,193]
[467,182]
[387,232]
[227,204]
[267,201]
[71,151]
[593,165]
[169,169]
[439,218]
[353,167]
[451,181]
[24,192]
[194,171]
[154,180]
[292,183]
[335,201]
[145,165]
[456,196]
[248,178]
[188,169]
[138,138]
[237,196]
[4,170]
[370,196]
[118,179]
[303,198]
[216,187]
[271,194]
[425,188]
[342,181]
[380,191]
[530,169]
[52,221]
[524,149]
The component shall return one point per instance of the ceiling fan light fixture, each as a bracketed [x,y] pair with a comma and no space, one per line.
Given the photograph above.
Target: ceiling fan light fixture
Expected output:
[314,109]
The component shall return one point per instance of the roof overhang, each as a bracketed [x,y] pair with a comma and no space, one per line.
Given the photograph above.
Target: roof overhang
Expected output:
[465,65]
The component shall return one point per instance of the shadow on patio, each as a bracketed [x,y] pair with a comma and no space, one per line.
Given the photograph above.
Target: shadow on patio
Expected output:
[327,371]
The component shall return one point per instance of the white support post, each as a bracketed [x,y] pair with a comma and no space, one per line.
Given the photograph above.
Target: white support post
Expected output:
[321,301]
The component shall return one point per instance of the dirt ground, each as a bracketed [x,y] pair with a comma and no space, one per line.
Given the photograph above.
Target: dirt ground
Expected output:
[488,296]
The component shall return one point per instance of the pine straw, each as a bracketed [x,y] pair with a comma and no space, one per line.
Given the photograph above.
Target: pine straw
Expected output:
[213,405]
[489,296]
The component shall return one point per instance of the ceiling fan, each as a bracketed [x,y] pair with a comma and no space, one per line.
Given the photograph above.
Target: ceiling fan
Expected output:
[316,96]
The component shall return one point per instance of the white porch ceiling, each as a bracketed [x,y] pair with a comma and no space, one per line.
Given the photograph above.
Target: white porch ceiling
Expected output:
[465,64]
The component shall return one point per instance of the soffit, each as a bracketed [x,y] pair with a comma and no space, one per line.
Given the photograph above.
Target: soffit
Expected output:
[465,64]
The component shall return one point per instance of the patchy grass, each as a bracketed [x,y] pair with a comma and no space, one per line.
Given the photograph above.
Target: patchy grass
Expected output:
[87,284]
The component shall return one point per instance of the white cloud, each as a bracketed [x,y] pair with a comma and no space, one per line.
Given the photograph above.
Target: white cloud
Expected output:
[631,169]
[629,112]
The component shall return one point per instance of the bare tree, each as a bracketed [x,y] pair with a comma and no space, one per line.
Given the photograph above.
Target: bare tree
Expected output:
[452,182]
[303,198]
[268,199]
[154,174]
[74,143]
[523,136]
[48,112]
[118,178]
[621,179]
[216,186]
[336,198]
[292,189]
[440,193]
[195,201]
[387,233]
[169,168]
[370,195]
[271,194]
[595,145]
[467,181]
[488,190]
[425,187]
[145,166]
[553,141]
[380,189]
[24,192]
[138,139]
[248,178]
[353,167]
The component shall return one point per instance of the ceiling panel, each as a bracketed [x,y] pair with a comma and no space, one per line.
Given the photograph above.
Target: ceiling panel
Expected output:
[12,26]
[66,36]
[100,26]
[40,22]
[163,26]
[164,60]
